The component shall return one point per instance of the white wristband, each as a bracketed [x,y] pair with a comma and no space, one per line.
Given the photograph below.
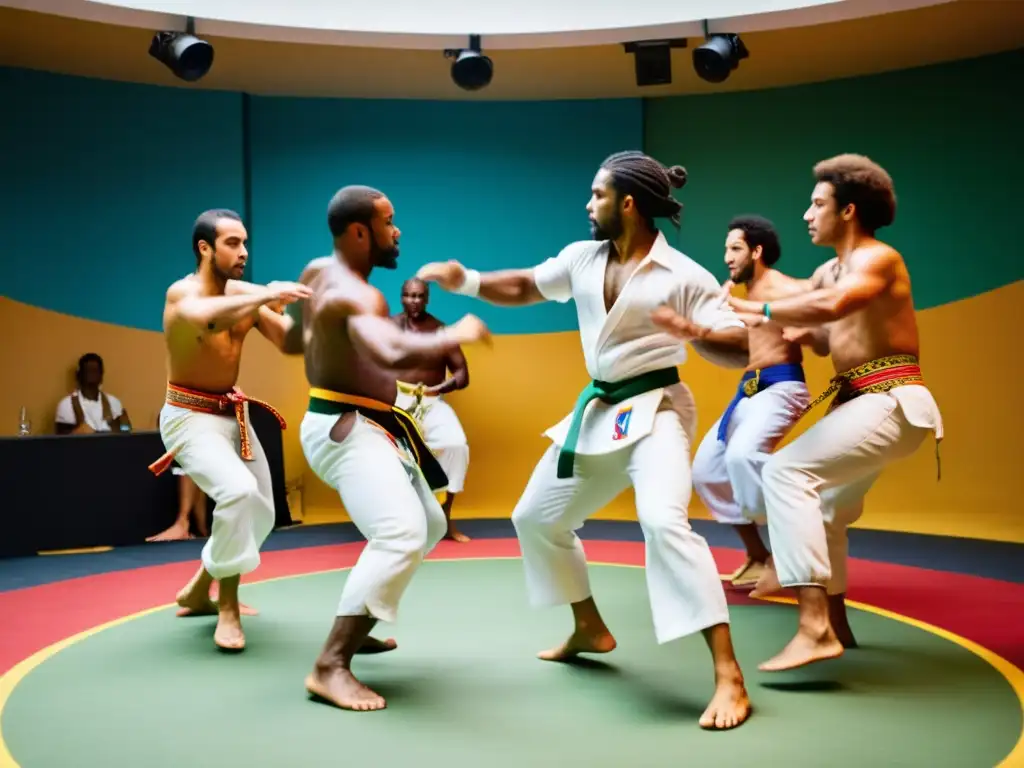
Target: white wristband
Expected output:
[471,285]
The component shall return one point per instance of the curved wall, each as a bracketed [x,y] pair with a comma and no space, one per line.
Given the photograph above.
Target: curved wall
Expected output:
[109,196]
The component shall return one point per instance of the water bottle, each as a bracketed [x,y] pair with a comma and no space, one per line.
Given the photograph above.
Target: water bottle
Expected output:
[24,423]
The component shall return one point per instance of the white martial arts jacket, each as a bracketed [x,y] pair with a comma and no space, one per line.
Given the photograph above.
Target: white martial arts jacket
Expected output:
[625,342]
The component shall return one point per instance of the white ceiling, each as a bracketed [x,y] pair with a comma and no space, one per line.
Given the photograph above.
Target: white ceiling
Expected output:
[434,24]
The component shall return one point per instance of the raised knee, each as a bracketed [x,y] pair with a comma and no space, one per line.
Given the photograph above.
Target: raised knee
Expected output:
[526,518]
[243,493]
[409,540]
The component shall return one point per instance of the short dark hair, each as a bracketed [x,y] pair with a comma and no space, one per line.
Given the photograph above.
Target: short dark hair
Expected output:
[205,228]
[351,205]
[757,230]
[862,182]
[416,281]
[649,182]
[88,357]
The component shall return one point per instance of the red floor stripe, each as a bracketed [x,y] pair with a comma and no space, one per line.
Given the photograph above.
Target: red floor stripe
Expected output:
[971,606]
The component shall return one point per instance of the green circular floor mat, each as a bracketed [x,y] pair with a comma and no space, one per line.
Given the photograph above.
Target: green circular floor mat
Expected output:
[464,689]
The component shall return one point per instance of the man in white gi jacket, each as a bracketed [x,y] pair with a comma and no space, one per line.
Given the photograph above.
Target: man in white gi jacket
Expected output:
[634,424]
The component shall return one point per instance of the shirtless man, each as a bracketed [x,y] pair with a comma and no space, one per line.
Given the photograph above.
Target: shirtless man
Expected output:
[204,422]
[882,411]
[421,393]
[356,440]
[770,399]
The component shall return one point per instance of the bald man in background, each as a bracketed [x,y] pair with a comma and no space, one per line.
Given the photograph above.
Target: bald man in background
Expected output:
[421,392]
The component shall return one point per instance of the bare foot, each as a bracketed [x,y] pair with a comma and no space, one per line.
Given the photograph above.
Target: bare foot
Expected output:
[193,600]
[177,532]
[768,582]
[806,647]
[458,536]
[845,636]
[211,609]
[373,645]
[729,707]
[578,643]
[840,622]
[340,687]
[747,575]
[228,635]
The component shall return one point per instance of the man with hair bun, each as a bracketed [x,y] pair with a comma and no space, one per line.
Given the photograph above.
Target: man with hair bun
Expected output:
[863,309]
[633,424]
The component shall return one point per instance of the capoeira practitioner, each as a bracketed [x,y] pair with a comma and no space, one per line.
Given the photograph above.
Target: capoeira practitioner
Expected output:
[370,451]
[633,424]
[422,391]
[882,411]
[770,399]
[204,422]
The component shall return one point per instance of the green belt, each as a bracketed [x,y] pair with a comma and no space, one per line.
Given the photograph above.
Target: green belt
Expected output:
[611,393]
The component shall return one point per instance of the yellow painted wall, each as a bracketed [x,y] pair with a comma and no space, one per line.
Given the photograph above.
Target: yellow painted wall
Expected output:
[526,383]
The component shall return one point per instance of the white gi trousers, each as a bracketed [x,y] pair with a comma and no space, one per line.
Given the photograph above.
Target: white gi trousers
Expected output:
[207,447]
[727,475]
[828,470]
[388,499]
[444,436]
[684,589]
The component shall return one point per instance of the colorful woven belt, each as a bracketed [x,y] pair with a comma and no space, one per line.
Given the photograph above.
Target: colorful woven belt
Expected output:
[229,403]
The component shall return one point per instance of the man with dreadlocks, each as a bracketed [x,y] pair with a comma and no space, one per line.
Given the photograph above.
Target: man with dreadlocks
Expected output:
[633,424]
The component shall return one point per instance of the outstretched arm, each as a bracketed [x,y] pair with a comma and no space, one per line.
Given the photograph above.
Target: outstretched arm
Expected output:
[698,316]
[387,344]
[507,287]
[551,280]
[219,313]
[851,293]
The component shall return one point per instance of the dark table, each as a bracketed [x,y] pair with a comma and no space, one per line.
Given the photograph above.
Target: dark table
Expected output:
[78,491]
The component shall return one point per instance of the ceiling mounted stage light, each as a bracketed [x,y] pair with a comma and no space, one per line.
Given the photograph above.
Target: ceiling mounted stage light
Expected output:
[715,60]
[471,70]
[188,57]
[652,60]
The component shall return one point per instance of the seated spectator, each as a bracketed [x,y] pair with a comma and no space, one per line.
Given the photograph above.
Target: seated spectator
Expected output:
[88,409]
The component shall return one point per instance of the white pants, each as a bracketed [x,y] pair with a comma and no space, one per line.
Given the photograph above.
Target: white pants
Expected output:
[390,502]
[684,589]
[207,448]
[444,436]
[826,472]
[727,475]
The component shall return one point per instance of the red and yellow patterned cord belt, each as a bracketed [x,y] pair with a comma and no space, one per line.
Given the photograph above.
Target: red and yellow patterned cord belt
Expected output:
[217,405]
[879,375]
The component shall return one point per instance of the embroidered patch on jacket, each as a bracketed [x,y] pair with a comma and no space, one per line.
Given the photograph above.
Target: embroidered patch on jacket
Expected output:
[622,423]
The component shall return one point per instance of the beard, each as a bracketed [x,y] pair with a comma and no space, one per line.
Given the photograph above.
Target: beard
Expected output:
[232,273]
[746,274]
[608,231]
[385,258]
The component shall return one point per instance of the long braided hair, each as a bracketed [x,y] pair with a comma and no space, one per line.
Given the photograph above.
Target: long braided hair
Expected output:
[650,184]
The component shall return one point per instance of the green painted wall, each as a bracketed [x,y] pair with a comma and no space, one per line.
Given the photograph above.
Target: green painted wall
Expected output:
[952,136]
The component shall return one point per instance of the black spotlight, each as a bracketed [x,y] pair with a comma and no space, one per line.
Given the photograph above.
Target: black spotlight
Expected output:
[183,53]
[718,57]
[471,70]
